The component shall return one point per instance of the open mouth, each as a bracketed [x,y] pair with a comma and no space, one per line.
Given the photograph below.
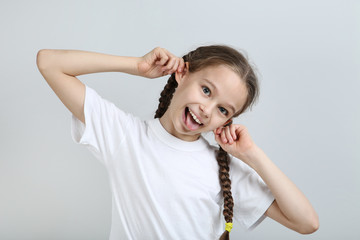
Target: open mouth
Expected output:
[191,121]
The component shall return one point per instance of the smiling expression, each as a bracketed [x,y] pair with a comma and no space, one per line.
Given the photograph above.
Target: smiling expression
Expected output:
[203,101]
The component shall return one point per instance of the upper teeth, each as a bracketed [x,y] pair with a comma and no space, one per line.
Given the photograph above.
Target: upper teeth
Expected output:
[194,117]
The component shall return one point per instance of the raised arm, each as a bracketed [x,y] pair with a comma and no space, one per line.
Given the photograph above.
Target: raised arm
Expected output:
[291,208]
[60,68]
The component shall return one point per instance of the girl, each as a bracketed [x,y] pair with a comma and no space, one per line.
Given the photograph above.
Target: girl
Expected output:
[167,181]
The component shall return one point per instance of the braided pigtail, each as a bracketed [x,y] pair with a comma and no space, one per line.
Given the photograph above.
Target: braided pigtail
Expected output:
[222,158]
[166,96]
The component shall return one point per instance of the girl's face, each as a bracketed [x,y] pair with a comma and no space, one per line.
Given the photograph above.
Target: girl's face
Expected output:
[203,101]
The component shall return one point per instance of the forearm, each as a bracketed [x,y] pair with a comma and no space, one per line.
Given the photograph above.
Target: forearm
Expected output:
[77,62]
[291,201]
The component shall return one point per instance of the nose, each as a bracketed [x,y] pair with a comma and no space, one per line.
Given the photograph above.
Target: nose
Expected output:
[206,110]
[202,109]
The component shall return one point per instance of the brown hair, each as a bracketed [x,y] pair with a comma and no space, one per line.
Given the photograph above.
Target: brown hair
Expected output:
[198,59]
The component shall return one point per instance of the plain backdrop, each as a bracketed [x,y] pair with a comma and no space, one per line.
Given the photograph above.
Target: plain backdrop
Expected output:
[307,119]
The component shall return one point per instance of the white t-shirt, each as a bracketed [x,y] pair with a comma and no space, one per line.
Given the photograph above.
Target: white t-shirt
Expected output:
[163,187]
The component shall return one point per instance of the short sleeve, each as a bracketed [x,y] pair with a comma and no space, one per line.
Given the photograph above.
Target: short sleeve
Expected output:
[105,126]
[251,195]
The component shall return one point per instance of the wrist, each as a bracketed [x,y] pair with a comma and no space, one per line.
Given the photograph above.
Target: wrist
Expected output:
[252,156]
[129,65]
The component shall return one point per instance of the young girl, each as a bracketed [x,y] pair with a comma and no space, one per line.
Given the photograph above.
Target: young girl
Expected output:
[167,181]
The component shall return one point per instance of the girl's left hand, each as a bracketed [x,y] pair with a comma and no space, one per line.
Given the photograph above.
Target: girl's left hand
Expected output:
[234,139]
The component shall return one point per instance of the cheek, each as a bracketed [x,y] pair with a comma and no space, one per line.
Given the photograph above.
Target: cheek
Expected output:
[217,122]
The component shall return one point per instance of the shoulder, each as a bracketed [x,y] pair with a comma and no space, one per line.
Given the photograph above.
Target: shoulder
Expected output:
[111,116]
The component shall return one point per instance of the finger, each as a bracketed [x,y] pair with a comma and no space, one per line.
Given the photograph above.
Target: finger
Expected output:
[233,131]
[176,65]
[181,65]
[172,65]
[172,58]
[228,135]
[218,130]
[169,64]
[240,129]
[161,54]
[163,60]
[218,139]
[223,136]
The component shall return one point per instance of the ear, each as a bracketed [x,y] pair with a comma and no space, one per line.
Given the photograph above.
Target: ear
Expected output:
[179,76]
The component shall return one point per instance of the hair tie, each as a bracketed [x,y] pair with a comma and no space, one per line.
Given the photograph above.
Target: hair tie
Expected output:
[228,226]
[228,122]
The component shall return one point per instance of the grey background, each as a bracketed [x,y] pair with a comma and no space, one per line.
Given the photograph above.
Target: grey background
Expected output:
[307,119]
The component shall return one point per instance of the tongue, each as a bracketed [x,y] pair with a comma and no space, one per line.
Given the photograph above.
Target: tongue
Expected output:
[190,122]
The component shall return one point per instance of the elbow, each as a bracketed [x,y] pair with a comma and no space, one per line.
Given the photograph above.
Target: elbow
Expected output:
[310,226]
[42,59]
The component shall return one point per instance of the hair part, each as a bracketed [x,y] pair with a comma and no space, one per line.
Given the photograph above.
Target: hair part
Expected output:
[198,59]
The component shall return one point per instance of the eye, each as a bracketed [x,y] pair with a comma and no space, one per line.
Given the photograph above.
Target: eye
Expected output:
[206,90]
[223,111]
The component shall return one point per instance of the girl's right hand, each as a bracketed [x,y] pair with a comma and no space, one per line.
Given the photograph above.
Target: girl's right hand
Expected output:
[159,62]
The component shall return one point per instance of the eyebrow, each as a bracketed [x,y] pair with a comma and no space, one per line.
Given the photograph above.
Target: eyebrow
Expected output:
[216,90]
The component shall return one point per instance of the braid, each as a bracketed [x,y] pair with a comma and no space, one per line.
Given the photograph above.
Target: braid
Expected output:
[222,158]
[166,96]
